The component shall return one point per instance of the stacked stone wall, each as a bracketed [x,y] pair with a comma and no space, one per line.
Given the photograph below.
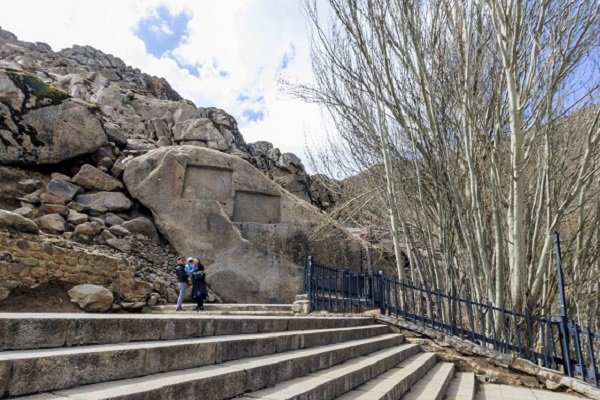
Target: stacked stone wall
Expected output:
[31,260]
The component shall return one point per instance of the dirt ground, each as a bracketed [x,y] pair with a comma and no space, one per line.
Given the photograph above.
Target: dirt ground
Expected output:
[49,297]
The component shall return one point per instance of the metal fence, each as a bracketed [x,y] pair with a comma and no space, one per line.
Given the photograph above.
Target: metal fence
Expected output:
[553,342]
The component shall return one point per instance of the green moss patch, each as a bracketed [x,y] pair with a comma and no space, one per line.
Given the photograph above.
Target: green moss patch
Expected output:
[31,85]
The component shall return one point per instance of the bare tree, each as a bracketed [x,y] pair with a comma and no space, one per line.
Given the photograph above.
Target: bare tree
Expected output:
[477,130]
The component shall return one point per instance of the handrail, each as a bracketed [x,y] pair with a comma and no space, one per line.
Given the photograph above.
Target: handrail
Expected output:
[553,342]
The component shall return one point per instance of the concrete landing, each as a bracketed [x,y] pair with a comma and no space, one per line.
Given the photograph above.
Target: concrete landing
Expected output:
[505,392]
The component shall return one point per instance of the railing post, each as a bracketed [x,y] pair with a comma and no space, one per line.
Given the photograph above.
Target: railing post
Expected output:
[564,330]
[309,275]
[381,294]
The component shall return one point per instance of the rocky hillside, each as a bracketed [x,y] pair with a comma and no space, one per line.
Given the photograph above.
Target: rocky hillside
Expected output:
[100,159]
[137,112]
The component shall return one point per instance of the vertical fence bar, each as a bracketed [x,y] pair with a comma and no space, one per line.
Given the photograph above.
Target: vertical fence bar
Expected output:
[413,302]
[440,310]
[471,321]
[564,330]
[578,353]
[381,299]
[430,308]
[460,318]
[309,280]
[396,297]
[530,337]
[594,371]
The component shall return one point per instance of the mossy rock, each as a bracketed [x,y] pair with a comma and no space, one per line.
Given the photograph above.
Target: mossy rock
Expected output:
[31,85]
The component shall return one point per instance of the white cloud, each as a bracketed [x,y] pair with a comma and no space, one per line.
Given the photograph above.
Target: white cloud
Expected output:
[240,46]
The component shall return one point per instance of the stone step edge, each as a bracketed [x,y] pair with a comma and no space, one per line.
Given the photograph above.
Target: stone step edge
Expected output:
[434,384]
[13,355]
[226,312]
[232,378]
[335,381]
[68,367]
[33,331]
[395,382]
[462,387]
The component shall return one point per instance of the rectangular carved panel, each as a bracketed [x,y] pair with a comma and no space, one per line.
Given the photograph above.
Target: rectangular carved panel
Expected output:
[257,207]
[207,183]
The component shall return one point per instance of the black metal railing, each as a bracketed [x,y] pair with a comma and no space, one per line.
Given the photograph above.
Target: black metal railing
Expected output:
[553,342]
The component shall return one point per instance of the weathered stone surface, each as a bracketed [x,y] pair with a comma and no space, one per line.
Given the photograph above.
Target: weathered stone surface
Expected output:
[114,134]
[10,93]
[102,202]
[29,185]
[59,209]
[76,218]
[92,178]
[26,212]
[52,223]
[56,133]
[112,219]
[140,144]
[59,191]
[249,232]
[143,226]
[91,298]
[200,130]
[12,220]
[118,230]
[119,244]
[88,229]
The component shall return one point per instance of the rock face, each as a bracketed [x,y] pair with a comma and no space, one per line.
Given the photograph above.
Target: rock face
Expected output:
[42,125]
[249,232]
[72,122]
[82,98]
[91,298]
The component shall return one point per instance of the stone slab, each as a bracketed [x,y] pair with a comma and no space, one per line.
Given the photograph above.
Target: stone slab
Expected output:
[68,367]
[47,330]
[224,380]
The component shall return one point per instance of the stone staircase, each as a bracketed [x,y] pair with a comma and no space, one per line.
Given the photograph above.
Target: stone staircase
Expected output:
[191,356]
[226,309]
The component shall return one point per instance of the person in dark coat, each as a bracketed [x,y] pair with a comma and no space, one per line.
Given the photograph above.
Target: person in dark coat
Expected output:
[199,289]
[182,280]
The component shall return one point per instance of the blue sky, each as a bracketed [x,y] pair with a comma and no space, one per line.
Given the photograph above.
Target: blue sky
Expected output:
[227,54]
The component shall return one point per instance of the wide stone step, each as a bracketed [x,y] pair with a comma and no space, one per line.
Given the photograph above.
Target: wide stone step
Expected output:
[335,381]
[396,382]
[433,385]
[226,312]
[20,331]
[462,387]
[69,367]
[215,382]
[224,308]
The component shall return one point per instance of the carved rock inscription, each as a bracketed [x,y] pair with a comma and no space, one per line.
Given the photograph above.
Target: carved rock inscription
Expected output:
[208,183]
[257,207]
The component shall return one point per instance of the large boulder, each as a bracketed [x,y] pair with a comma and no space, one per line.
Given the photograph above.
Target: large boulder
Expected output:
[59,191]
[201,131]
[11,220]
[42,125]
[143,226]
[102,202]
[52,223]
[251,234]
[91,298]
[92,178]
